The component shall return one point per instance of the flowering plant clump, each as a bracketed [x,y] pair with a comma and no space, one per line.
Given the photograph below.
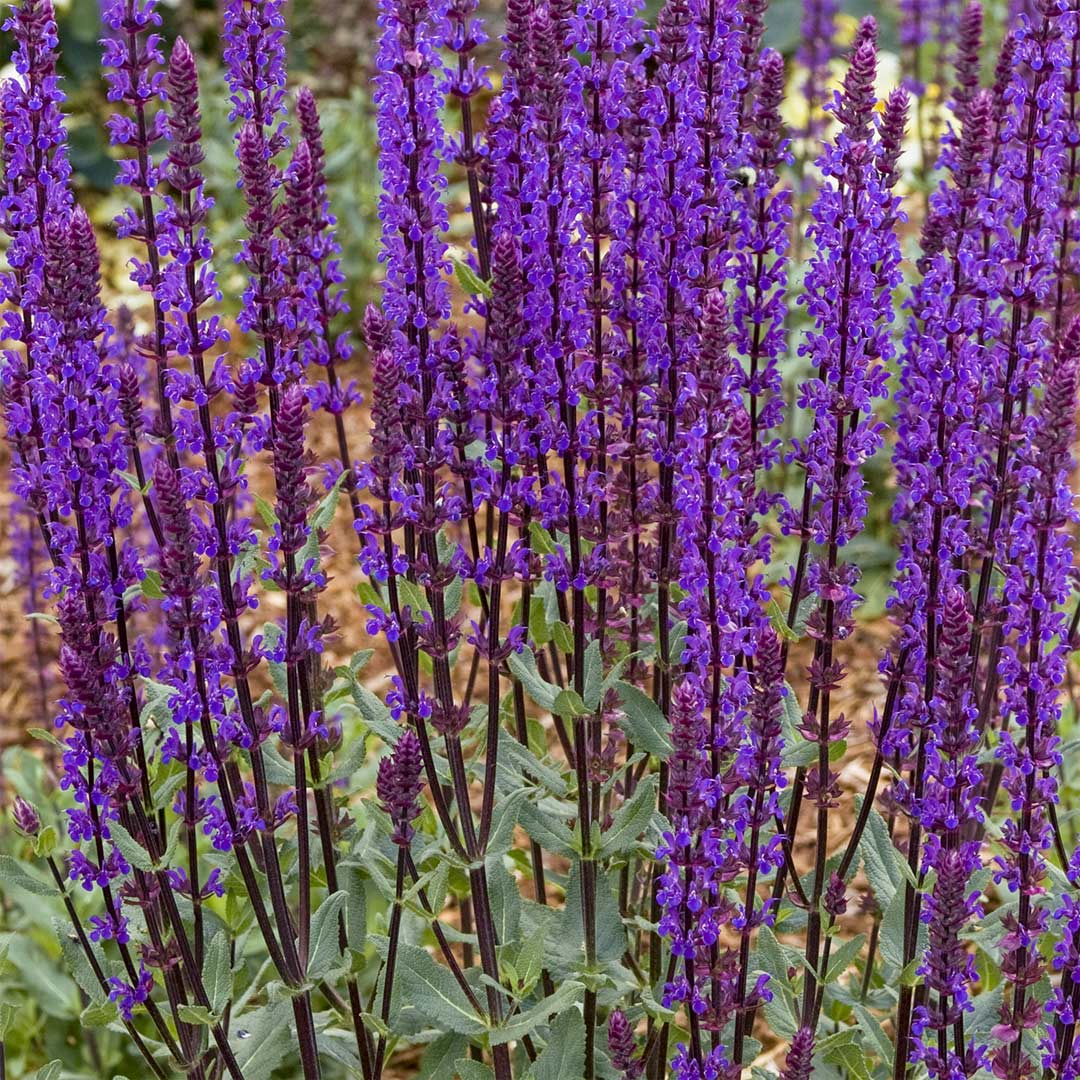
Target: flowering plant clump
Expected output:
[670,329]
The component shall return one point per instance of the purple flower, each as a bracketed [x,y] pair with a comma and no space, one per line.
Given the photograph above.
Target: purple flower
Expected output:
[967,64]
[815,54]
[408,97]
[399,784]
[263,252]
[1031,670]
[948,967]
[127,996]
[621,1046]
[315,273]
[936,409]
[799,1062]
[25,817]
[759,271]
[291,464]
[132,59]
[254,56]
[848,295]
[188,282]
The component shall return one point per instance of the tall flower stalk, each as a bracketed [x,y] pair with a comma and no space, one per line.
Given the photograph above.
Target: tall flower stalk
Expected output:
[856,253]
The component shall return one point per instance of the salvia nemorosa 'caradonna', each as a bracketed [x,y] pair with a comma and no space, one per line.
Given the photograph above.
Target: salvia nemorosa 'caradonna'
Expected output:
[655,303]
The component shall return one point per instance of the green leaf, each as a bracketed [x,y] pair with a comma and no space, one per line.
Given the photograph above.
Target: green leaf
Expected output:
[549,830]
[643,722]
[828,1045]
[369,596]
[12,873]
[439,1062]
[75,960]
[321,519]
[769,957]
[434,993]
[798,750]
[503,821]
[891,934]
[45,842]
[325,944]
[360,660]
[262,1038]
[631,820]
[505,901]
[130,848]
[51,1071]
[150,586]
[99,1014]
[779,1012]
[539,631]
[523,667]
[469,280]
[467,1069]
[610,930]
[569,703]
[842,958]
[413,596]
[779,622]
[8,1014]
[278,674]
[354,757]
[910,975]
[852,1059]
[44,735]
[563,636]
[987,1012]
[567,995]
[374,712]
[530,961]
[265,510]
[217,972]
[564,1056]
[196,1014]
[43,616]
[989,970]
[455,591]
[165,788]
[880,859]
[517,761]
[53,989]
[540,539]
[356,907]
[132,482]
[677,641]
[155,705]
[870,1024]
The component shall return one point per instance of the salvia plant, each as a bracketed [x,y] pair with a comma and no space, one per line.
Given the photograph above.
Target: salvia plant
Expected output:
[666,320]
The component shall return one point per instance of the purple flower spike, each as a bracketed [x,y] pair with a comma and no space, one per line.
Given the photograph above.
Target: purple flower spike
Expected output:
[967,65]
[816,52]
[760,270]
[800,1057]
[291,464]
[254,57]
[399,783]
[315,274]
[1032,670]
[621,1046]
[25,817]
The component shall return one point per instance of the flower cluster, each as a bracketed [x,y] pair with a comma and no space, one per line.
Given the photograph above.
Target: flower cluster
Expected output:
[622,454]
